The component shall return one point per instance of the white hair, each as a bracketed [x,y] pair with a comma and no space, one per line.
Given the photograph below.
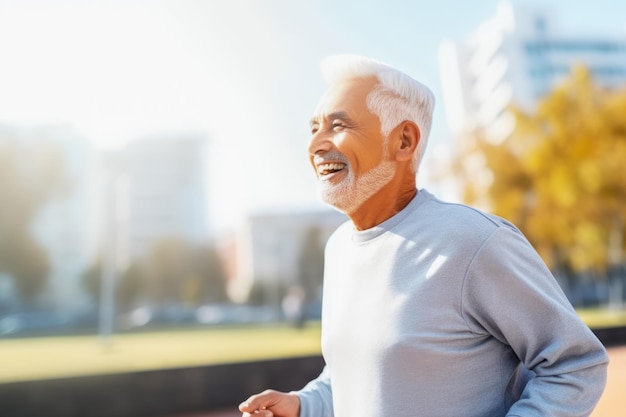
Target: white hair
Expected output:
[397,98]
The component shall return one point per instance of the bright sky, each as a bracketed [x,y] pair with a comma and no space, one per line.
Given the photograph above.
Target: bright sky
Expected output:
[243,71]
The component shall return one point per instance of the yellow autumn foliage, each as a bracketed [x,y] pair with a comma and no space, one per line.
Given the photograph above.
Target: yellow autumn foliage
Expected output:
[561,175]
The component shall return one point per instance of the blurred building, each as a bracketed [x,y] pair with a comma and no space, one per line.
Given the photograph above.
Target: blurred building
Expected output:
[152,189]
[62,225]
[516,58]
[269,248]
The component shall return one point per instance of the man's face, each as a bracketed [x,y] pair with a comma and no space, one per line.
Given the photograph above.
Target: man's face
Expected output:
[347,149]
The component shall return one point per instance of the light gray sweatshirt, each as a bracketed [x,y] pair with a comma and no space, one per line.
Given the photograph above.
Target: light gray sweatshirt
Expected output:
[443,310]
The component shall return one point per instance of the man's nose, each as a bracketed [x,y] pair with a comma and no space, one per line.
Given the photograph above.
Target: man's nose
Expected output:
[320,142]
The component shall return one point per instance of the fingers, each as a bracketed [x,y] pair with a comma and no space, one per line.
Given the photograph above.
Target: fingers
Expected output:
[249,411]
[271,403]
[258,404]
[259,413]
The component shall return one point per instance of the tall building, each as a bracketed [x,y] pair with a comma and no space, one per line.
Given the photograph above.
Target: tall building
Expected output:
[270,246]
[517,57]
[152,189]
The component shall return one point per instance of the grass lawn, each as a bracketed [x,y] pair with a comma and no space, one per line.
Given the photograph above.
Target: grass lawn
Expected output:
[53,357]
[603,317]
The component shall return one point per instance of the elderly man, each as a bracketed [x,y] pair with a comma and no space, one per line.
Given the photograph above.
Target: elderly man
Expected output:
[430,308]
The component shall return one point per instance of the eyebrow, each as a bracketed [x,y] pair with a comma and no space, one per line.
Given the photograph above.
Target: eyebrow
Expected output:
[332,116]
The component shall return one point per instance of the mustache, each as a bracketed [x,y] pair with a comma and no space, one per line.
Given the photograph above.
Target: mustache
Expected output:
[330,156]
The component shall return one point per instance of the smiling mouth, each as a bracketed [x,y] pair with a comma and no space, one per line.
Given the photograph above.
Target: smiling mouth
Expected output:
[327,169]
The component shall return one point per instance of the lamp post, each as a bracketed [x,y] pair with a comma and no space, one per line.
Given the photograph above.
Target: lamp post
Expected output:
[109,262]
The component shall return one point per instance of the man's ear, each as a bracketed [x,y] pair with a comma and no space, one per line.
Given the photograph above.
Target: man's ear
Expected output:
[407,140]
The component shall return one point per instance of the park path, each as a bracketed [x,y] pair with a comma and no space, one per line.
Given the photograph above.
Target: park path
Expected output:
[612,403]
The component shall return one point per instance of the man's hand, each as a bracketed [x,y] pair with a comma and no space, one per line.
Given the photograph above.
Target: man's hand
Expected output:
[271,403]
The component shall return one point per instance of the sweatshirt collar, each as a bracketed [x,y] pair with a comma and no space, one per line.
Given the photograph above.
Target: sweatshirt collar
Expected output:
[392,222]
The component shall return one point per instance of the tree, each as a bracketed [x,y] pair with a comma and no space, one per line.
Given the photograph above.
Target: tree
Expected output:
[25,189]
[128,284]
[560,175]
[91,281]
[129,287]
[179,272]
[173,272]
[311,264]
[208,271]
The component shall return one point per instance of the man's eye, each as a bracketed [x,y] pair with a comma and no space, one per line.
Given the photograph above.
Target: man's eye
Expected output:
[338,125]
[314,129]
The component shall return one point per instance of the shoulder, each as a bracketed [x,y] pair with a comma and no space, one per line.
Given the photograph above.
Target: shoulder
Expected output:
[461,218]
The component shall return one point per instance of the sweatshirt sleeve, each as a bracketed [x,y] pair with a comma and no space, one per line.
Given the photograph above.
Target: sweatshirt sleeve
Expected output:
[510,294]
[316,399]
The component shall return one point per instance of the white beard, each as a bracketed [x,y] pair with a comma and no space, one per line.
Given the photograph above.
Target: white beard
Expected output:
[352,192]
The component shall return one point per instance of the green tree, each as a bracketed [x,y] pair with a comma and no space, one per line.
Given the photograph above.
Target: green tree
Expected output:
[25,189]
[311,264]
[173,272]
[91,281]
[129,286]
[208,271]
[179,272]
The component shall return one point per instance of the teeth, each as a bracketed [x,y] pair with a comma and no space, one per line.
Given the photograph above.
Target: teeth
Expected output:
[330,167]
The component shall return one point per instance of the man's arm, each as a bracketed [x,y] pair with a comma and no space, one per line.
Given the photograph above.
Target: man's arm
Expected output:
[510,294]
[316,398]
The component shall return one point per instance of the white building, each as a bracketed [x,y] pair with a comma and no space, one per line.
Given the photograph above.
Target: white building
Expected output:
[152,189]
[63,225]
[516,57]
[269,246]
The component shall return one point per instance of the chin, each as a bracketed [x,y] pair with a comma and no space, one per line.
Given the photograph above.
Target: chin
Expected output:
[340,200]
[353,192]
[337,207]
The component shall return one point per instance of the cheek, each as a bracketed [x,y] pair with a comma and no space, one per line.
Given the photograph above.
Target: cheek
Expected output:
[363,156]
[349,145]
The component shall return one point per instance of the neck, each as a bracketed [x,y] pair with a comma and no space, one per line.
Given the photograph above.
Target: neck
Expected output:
[383,205]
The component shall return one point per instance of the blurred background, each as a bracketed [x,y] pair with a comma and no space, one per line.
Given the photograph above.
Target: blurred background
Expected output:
[153,167]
